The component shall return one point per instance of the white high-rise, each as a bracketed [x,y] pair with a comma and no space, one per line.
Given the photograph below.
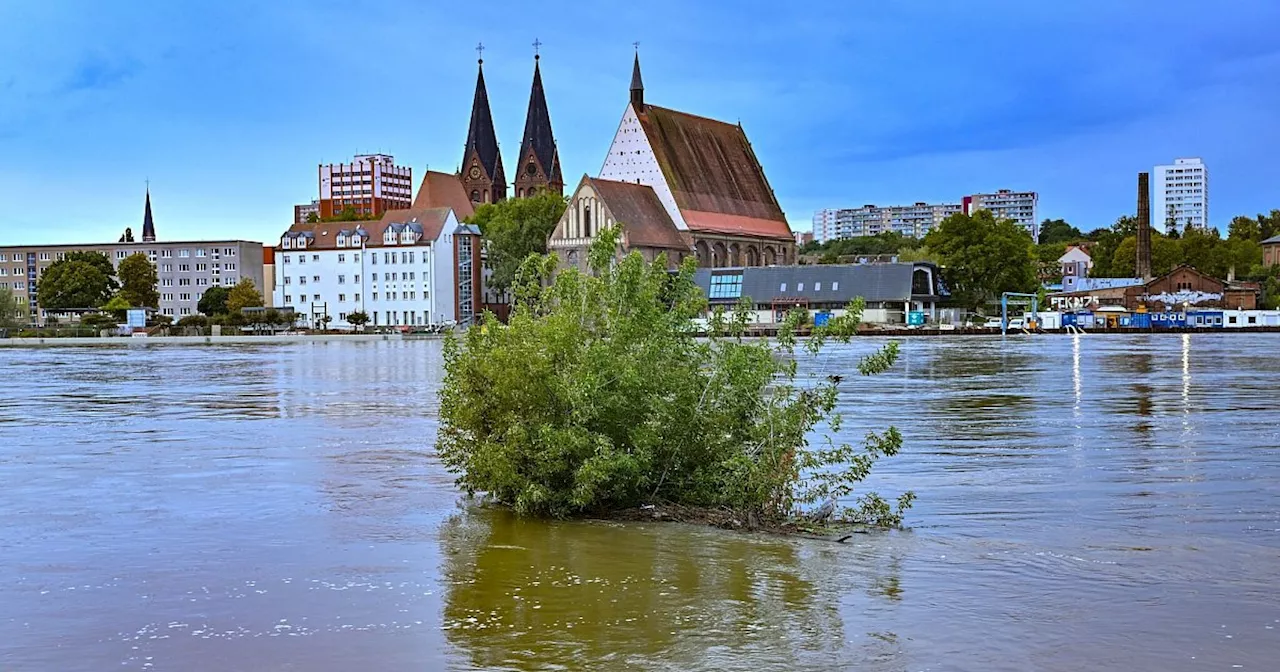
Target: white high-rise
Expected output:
[1180,195]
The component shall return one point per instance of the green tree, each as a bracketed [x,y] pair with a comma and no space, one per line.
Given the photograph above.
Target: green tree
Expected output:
[244,295]
[74,283]
[1058,231]
[100,261]
[118,306]
[312,218]
[1268,225]
[514,229]
[599,396]
[983,256]
[358,319]
[1166,254]
[348,215]
[193,321]
[213,301]
[1244,228]
[13,314]
[100,321]
[138,281]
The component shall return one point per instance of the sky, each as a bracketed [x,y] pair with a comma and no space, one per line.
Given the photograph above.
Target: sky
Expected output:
[228,107]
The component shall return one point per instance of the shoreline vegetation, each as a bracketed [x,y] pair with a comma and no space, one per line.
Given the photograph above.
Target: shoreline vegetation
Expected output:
[600,398]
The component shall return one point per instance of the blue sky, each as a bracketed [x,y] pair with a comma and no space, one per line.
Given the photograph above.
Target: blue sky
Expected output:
[227,107]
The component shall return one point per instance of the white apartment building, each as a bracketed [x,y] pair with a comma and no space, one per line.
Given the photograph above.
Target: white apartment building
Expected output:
[914,221]
[370,185]
[1180,195]
[1020,206]
[411,268]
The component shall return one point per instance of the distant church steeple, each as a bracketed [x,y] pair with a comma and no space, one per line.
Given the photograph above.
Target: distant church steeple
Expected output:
[539,162]
[637,86]
[148,224]
[481,171]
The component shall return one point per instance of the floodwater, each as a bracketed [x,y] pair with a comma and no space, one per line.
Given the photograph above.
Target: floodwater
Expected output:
[1098,502]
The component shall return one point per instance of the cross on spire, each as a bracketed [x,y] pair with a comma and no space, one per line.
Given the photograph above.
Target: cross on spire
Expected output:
[636,45]
[536,43]
[480,51]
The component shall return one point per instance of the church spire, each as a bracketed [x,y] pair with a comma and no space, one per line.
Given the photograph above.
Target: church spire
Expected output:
[482,172]
[637,86]
[148,224]
[539,161]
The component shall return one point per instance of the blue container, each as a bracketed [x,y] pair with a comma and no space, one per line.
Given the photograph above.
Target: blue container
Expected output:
[1140,320]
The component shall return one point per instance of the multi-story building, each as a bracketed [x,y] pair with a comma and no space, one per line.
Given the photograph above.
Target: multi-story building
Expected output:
[370,185]
[303,211]
[412,267]
[1180,194]
[184,269]
[914,221]
[1019,206]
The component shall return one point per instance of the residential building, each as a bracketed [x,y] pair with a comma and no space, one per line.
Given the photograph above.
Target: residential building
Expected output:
[891,291]
[184,269]
[1019,206]
[1271,251]
[1075,262]
[303,212]
[370,185]
[691,179]
[913,221]
[803,238]
[411,267]
[1180,195]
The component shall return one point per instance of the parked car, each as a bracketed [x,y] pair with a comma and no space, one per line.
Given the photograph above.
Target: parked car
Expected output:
[992,323]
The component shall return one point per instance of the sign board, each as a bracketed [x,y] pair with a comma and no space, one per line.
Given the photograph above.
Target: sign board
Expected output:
[915,318]
[136,318]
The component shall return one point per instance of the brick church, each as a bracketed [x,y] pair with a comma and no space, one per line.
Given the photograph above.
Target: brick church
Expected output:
[679,184]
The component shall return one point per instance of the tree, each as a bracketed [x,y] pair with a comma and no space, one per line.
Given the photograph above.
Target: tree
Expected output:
[515,228]
[312,218]
[1269,225]
[1244,228]
[358,319]
[99,321]
[74,283]
[118,306]
[193,321]
[1058,231]
[348,214]
[138,281]
[213,301]
[598,395]
[12,313]
[244,295]
[983,256]
[99,261]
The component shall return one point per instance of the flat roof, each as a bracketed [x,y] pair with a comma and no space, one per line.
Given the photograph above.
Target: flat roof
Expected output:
[133,244]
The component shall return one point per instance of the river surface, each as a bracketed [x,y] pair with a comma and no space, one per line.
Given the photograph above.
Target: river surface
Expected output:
[1099,502]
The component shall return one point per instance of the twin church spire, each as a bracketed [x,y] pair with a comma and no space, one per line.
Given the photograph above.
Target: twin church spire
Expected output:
[538,164]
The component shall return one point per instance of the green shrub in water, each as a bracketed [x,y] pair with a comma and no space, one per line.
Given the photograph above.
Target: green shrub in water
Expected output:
[600,395]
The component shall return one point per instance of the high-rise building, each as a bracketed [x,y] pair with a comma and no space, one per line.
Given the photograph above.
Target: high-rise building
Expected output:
[370,185]
[1180,194]
[303,211]
[1019,206]
[914,221]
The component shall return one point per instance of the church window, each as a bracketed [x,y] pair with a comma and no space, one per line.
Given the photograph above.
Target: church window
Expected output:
[475,196]
[586,220]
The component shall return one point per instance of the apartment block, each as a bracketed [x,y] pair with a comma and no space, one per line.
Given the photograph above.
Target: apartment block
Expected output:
[914,221]
[1020,206]
[370,185]
[1180,195]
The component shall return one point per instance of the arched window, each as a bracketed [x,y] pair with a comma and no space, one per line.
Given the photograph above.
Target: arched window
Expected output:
[704,254]
[475,196]
[586,219]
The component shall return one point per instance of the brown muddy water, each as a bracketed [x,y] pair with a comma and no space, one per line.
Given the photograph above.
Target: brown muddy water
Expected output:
[1100,502]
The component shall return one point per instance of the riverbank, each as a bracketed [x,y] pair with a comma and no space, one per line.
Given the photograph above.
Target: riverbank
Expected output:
[233,339]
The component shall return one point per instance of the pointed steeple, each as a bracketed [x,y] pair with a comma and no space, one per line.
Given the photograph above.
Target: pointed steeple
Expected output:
[637,86]
[539,161]
[482,148]
[148,224]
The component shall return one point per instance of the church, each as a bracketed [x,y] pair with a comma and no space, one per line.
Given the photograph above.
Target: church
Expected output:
[679,184]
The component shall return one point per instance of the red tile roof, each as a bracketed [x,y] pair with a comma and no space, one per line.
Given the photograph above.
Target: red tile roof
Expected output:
[644,220]
[443,190]
[712,169]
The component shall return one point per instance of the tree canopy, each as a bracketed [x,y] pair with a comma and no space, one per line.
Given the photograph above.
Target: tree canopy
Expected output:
[598,395]
[1058,231]
[982,256]
[213,301]
[12,312]
[515,228]
[78,281]
[244,295]
[138,281]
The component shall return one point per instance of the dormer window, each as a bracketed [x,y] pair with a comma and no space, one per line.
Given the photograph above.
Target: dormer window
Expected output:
[342,240]
[389,238]
[286,243]
[406,237]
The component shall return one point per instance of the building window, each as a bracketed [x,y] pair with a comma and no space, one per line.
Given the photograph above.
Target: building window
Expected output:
[315,257]
[315,278]
[342,297]
[342,258]
[835,286]
[356,279]
[315,297]
[817,286]
[200,252]
[342,279]
[184,253]
[288,298]
[799,286]
[375,296]
[302,258]
[285,258]
[302,279]
[728,286]
[287,280]
[44,256]
[783,288]
[586,220]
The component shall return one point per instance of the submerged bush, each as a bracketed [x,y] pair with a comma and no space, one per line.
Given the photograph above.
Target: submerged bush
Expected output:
[599,395]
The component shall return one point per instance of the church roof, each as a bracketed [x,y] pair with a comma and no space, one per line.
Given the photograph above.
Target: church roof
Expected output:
[713,173]
[148,224]
[538,137]
[443,190]
[637,209]
[481,137]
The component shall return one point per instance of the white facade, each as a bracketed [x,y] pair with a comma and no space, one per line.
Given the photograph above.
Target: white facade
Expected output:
[1180,195]
[913,221]
[397,281]
[631,159]
[1020,206]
